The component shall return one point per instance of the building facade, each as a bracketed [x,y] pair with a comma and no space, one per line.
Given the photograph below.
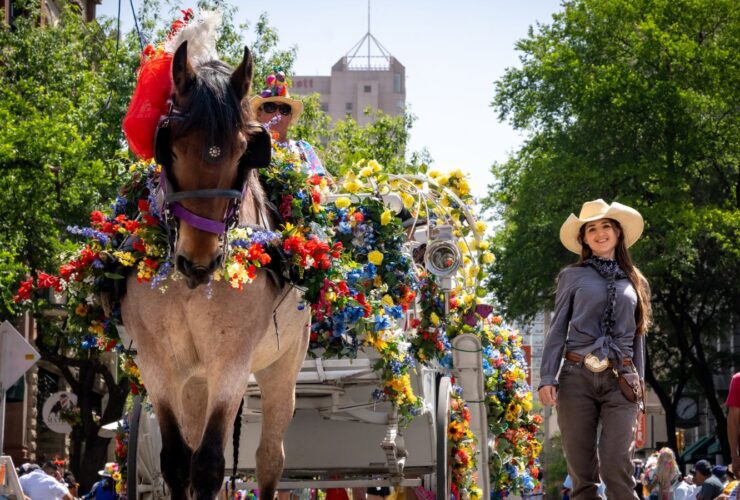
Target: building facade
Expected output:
[375,80]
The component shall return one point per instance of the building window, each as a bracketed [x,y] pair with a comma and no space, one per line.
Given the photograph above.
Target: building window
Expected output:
[325,107]
[348,106]
[397,83]
[367,89]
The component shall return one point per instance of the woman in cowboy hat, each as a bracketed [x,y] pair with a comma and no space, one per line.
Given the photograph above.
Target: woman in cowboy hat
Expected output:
[275,109]
[602,311]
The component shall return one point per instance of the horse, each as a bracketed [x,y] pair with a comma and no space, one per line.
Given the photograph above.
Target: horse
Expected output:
[196,350]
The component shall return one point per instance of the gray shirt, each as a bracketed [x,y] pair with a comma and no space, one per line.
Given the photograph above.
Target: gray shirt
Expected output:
[576,323]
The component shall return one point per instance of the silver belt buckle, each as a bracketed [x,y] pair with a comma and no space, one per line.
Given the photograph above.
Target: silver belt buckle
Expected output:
[595,364]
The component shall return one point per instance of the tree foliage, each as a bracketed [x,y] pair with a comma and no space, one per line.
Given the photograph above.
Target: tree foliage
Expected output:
[633,101]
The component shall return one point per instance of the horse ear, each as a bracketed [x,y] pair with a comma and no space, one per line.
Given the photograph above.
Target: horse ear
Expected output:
[241,78]
[183,74]
[259,147]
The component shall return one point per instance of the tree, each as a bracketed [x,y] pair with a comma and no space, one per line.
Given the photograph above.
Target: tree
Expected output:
[633,101]
[60,155]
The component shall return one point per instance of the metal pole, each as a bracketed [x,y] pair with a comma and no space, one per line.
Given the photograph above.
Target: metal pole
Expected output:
[2,393]
[2,416]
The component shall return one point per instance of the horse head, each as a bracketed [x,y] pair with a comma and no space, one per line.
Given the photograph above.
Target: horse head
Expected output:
[207,145]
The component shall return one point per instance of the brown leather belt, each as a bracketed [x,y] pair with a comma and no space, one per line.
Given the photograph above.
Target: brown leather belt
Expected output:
[577,358]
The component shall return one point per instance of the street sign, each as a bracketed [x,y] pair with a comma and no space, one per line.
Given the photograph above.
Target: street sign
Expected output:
[16,355]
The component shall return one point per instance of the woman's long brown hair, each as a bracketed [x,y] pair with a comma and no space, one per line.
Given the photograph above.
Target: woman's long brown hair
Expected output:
[643,311]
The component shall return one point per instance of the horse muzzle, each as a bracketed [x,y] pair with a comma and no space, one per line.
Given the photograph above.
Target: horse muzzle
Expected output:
[197,274]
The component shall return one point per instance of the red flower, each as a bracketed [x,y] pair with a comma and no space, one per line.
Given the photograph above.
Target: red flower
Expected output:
[97,218]
[143,206]
[139,246]
[49,281]
[315,179]
[24,292]
[358,217]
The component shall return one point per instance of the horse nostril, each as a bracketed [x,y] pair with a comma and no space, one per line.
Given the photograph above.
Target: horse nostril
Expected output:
[216,262]
[183,265]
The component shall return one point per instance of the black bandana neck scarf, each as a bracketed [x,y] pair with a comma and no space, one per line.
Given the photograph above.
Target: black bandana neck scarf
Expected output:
[611,272]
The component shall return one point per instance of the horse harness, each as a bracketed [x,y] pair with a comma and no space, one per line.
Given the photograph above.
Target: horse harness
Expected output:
[169,198]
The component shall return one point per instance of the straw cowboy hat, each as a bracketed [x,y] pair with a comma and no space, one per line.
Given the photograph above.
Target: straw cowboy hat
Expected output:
[277,91]
[629,218]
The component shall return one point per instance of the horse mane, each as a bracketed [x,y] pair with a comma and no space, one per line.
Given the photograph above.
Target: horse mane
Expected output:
[213,108]
[255,203]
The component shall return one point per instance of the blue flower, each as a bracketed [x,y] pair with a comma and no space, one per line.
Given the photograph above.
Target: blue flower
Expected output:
[381,323]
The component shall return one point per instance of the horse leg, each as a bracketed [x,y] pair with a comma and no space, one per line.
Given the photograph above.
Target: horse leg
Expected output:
[277,387]
[175,455]
[208,464]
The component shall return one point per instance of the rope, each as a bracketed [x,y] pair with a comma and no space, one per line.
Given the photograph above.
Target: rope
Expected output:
[235,443]
[136,25]
[274,312]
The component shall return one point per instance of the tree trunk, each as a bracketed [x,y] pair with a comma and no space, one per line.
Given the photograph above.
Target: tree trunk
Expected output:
[665,401]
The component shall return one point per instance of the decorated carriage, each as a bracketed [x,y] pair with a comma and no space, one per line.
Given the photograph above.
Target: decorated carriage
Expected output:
[408,379]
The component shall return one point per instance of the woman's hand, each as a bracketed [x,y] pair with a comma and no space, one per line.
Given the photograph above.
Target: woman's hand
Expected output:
[548,395]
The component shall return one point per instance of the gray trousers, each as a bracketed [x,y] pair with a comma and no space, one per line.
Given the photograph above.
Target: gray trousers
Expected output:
[584,398]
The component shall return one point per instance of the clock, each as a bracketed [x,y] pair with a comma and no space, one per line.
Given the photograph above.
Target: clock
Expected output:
[687,408]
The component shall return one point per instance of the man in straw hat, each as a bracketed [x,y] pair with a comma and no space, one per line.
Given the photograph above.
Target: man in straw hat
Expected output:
[602,310]
[275,109]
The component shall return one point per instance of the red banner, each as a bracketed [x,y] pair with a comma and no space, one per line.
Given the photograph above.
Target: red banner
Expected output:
[528,356]
[640,431]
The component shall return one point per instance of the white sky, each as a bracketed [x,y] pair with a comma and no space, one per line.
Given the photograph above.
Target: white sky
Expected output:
[453,53]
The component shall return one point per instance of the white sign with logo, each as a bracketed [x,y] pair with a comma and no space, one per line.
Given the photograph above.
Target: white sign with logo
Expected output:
[53,408]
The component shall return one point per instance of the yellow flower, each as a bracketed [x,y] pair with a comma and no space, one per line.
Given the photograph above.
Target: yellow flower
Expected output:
[352,186]
[434,174]
[488,257]
[125,258]
[408,200]
[386,217]
[366,171]
[387,300]
[480,227]
[343,202]
[442,180]
[374,165]
[463,187]
[434,319]
[375,257]
[457,173]
[116,476]
[483,245]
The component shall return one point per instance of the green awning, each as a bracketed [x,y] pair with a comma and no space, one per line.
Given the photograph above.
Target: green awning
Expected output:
[715,448]
[698,450]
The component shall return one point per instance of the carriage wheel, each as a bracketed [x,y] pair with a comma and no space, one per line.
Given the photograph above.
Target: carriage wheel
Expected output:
[145,481]
[444,472]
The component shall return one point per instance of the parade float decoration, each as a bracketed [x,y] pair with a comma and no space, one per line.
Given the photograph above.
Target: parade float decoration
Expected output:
[353,257]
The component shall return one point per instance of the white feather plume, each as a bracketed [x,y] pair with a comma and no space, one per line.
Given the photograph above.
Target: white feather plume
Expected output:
[201,35]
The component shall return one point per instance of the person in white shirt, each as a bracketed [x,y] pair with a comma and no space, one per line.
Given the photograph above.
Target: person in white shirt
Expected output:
[684,489]
[39,484]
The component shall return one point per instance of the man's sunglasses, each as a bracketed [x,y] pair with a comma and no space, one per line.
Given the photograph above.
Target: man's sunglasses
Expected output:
[271,107]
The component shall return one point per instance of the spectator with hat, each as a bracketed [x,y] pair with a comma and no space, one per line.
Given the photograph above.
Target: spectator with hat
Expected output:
[710,487]
[105,489]
[276,110]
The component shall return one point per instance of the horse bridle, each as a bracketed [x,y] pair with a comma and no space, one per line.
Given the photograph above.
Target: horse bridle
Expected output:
[171,207]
